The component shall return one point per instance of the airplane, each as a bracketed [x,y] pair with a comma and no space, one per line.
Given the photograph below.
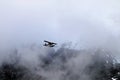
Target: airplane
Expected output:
[49,44]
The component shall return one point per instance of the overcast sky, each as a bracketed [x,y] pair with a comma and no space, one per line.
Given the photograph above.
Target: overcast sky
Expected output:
[88,22]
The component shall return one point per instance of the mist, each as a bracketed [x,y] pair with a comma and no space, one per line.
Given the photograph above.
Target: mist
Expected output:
[86,32]
[89,22]
[44,63]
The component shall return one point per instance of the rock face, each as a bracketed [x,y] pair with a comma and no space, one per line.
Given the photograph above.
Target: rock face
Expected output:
[64,64]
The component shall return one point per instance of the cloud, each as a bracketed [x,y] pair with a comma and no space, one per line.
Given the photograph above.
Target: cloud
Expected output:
[34,62]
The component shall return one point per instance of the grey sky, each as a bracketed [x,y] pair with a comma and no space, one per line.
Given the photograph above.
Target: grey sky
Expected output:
[89,22]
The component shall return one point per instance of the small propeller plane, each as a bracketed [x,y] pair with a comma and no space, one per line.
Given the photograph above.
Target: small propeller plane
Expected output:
[49,44]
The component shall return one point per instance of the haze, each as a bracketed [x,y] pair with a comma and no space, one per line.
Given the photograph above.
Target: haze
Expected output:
[89,23]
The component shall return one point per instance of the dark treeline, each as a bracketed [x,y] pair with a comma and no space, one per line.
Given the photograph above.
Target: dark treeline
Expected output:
[102,66]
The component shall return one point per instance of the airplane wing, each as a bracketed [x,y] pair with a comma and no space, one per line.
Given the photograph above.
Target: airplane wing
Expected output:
[46,41]
[53,43]
[50,42]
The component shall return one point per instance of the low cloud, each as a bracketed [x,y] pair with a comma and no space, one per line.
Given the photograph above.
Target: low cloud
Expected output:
[44,63]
